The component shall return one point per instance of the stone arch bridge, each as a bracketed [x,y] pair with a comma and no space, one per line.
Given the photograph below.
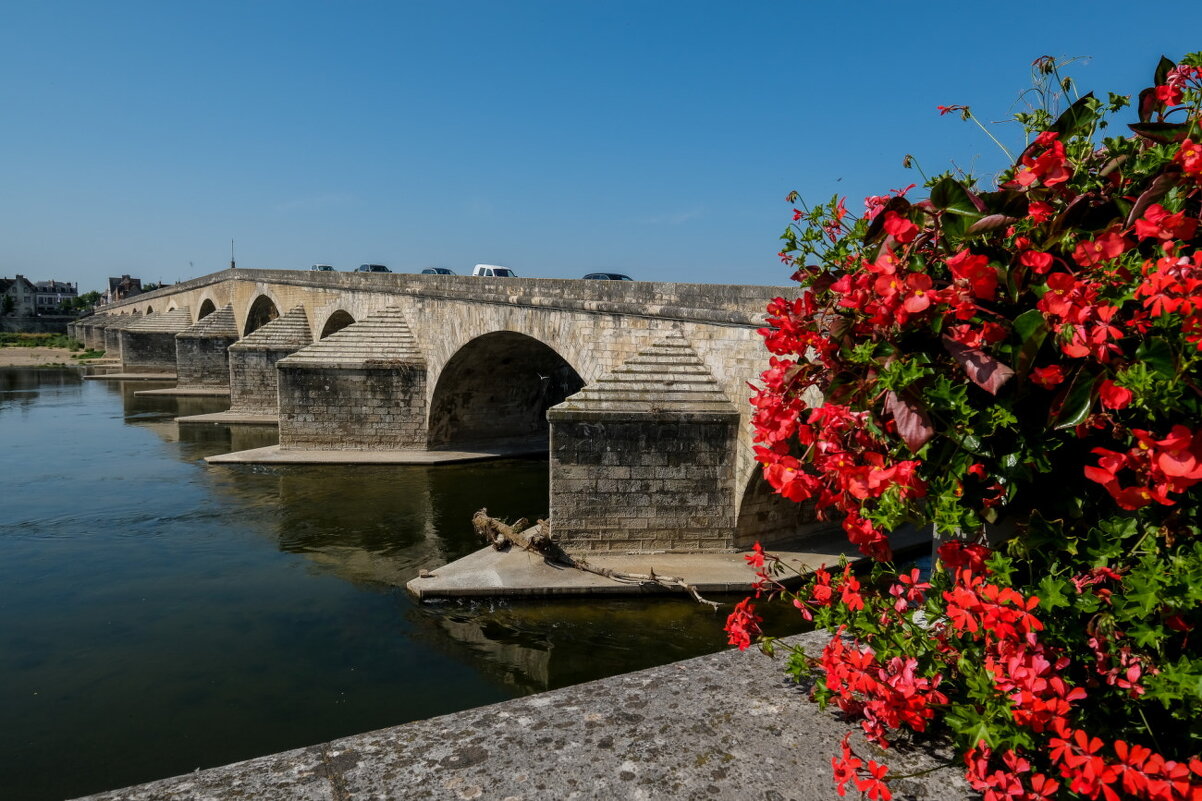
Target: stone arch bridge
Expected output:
[639,389]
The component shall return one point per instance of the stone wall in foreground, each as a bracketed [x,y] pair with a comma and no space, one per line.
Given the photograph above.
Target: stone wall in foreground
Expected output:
[724,727]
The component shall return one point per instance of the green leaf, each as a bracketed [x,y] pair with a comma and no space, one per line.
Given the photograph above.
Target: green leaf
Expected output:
[1163,132]
[1163,68]
[1032,329]
[950,195]
[1145,635]
[1077,402]
[1079,115]
[1051,593]
[1157,354]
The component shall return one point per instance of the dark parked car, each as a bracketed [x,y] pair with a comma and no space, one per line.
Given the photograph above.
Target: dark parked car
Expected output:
[609,277]
[372,268]
[438,271]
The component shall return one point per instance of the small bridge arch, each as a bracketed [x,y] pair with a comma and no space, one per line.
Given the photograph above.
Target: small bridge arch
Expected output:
[498,386]
[336,322]
[207,307]
[261,312]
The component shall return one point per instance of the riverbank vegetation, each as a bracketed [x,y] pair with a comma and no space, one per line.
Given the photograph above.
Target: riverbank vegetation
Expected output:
[19,340]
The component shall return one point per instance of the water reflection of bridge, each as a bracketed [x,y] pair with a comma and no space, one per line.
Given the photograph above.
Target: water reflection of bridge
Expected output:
[378,526]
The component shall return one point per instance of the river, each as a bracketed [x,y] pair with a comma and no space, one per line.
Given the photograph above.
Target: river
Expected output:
[159,615]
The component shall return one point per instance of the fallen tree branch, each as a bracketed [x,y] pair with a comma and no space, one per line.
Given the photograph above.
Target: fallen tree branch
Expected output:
[537,539]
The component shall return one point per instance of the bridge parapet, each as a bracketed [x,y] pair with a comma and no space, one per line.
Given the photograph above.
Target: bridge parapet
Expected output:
[738,305]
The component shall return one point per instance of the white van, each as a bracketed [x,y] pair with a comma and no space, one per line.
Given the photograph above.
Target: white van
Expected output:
[493,271]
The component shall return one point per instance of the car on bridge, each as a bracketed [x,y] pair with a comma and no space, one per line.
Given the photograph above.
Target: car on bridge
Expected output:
[323,268]
[608,277]
[438,271]
[493,271]
[372,268]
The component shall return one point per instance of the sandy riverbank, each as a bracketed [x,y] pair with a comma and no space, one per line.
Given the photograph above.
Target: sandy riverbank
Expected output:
[36,357]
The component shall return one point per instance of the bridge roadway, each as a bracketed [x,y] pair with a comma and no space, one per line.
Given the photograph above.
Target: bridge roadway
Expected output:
[640,389]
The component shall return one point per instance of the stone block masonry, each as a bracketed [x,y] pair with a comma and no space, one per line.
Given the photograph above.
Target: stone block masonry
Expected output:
[149,345]
[361,388]
[107,337]
[644,458]
[376,408]
[254,387]
[644,483]
[201,352]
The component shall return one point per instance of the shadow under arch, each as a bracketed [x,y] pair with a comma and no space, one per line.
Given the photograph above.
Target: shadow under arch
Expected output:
[768,518]
[206,308]
[335,323]
[499,386]
[262,312]
[149,310]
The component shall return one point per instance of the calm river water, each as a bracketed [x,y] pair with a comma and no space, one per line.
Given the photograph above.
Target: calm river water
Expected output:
[158,615]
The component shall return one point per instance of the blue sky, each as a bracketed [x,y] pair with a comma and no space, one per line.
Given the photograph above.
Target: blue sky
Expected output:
[653,138]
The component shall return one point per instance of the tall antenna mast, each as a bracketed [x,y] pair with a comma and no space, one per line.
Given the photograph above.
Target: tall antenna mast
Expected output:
[233,266]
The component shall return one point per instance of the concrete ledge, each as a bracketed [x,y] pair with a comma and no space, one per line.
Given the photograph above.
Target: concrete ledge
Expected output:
[231,418]
[488,572]
[274,454]
[727,727]
[188,392]
[132,377]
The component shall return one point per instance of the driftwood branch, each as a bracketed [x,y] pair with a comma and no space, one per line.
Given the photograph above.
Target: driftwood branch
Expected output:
[537,539]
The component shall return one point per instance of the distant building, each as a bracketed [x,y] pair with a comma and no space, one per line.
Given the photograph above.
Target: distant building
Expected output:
[51,294]
[121,288]
[18,297]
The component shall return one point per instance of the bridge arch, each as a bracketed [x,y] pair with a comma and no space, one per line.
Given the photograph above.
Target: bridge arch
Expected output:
[261,312]
[149,310]
[207,307]
[498,386]
[768,518]
[335,323]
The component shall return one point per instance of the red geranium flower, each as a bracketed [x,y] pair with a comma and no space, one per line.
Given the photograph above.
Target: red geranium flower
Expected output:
[1113,396]
[1048,377]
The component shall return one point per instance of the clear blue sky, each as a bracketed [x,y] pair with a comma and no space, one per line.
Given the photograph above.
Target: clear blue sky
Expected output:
[653,138]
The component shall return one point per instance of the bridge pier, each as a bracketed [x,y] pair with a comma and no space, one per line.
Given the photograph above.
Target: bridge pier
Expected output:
[644,458]
[202,351]
[254,387]
[148,345]
[110,335]
[362,388]
[94,332]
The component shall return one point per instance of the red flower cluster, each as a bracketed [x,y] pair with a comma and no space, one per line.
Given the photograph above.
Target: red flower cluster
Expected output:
[743,624]
[850,466]
[1049,168]
[888,695]
[993,356]
[1153,468]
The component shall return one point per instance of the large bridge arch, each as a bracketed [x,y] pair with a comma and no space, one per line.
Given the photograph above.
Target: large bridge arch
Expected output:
[262,311]
[498,386]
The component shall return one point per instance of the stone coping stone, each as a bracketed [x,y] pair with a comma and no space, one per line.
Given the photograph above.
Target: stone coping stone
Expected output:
[231,418]
[132,377]
[188,392]
[514,572]
[274,454]
[726,727]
